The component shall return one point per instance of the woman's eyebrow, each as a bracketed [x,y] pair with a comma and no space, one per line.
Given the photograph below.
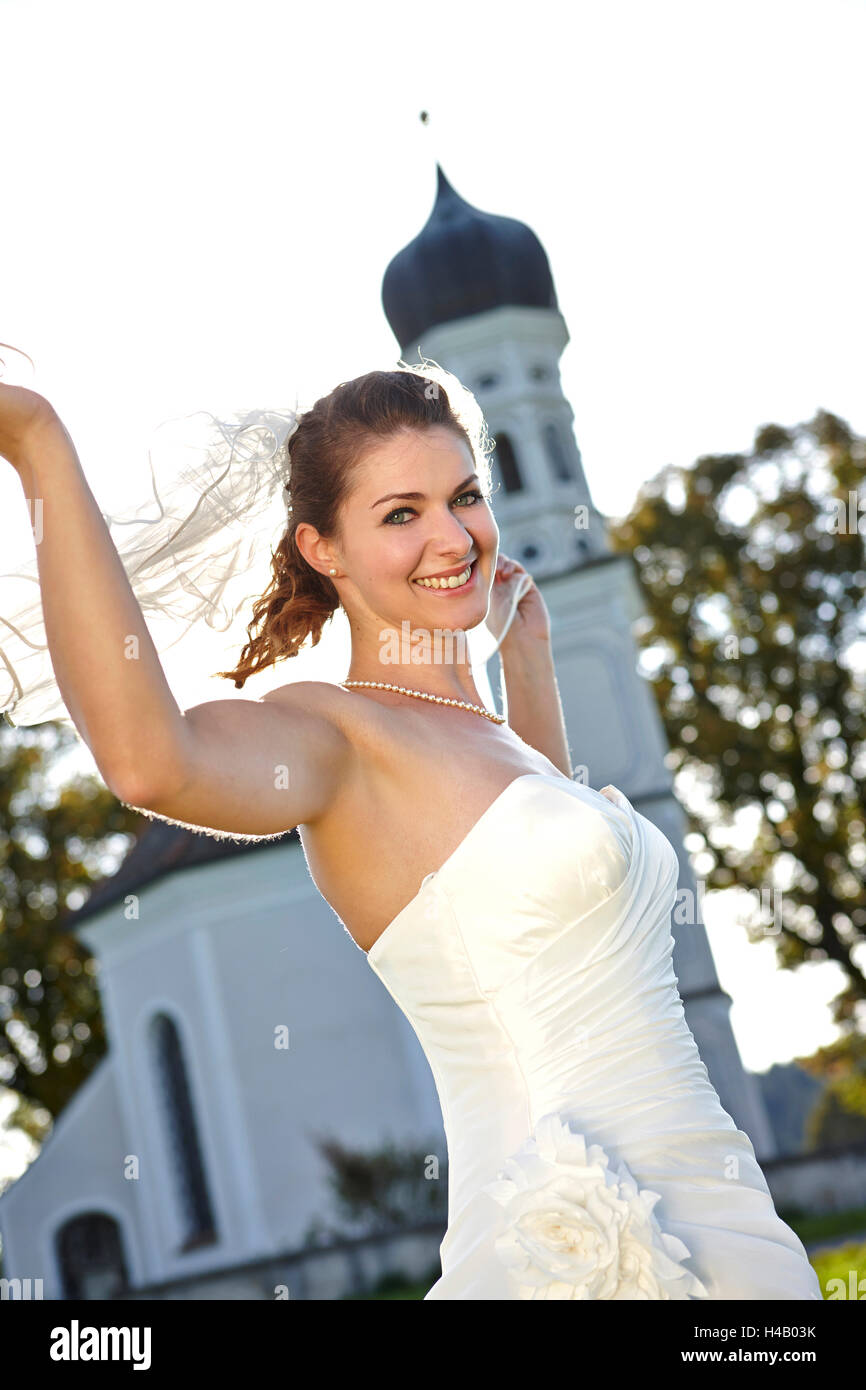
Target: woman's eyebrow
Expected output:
[420,496]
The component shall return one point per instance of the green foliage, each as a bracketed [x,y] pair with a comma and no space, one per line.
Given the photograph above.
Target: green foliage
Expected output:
[753,580]
[57,837]
[384,1189]
[839,1116]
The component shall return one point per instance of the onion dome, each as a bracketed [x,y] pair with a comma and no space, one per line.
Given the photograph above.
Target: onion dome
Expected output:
[463,262]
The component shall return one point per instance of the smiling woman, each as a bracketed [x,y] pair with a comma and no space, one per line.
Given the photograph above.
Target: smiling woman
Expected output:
[219,491]
[380,424]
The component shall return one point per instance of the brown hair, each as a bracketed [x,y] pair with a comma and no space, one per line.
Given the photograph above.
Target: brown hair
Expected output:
[331,438]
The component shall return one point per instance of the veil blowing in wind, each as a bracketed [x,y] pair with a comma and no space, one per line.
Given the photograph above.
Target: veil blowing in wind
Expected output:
[216,502]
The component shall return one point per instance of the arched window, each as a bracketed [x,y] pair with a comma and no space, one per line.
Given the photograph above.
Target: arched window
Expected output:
[90,1256]
[180,1126]
[557,455]
[505,461]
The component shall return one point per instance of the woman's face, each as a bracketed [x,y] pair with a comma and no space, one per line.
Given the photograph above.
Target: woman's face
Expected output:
[391,539]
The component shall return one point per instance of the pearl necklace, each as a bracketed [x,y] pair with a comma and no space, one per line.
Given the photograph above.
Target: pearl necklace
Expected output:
[422,695]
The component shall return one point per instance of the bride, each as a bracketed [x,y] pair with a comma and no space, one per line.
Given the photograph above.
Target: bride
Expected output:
[355,755]
[534,959]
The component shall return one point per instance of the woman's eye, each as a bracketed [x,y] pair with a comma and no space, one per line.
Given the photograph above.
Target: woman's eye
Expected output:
[399,511]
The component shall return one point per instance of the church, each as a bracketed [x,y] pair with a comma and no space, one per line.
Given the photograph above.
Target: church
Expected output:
[244,1024]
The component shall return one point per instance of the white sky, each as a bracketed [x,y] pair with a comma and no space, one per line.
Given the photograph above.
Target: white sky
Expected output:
[201,200]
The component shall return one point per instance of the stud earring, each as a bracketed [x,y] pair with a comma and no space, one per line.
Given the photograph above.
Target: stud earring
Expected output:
[332,571]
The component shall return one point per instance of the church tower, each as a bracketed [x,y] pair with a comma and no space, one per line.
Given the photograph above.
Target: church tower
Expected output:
[474,292]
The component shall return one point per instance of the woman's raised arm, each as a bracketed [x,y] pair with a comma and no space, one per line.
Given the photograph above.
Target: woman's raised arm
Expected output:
[243,766]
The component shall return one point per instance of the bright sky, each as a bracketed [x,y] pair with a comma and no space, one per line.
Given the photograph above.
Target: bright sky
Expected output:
[202,198]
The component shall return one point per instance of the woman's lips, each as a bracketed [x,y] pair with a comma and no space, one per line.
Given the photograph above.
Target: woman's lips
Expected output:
[451,589]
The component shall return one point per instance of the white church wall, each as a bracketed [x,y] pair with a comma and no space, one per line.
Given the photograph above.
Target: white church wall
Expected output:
[233,952]
[236,951]
[78,1170]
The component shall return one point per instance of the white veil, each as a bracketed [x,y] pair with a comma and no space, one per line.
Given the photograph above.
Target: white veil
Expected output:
[218,505]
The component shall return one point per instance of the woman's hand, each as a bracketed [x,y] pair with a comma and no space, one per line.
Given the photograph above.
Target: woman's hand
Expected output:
[24,416]
[531,621]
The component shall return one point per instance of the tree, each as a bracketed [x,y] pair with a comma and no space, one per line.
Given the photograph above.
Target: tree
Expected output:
[56,837]
[839,1116]
[753,574]
[388,1188]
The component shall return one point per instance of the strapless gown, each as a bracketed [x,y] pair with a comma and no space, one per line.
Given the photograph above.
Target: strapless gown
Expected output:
[589,1155]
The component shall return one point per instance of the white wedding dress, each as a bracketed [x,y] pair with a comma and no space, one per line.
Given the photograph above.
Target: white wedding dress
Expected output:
[589,1154]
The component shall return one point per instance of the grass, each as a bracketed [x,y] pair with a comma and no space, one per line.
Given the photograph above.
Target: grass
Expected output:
[835,1247]
[829,1223]
[838,1263]
[397,1286]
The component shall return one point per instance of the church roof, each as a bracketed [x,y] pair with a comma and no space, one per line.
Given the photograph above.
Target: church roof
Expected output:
[463,262]
[161,850]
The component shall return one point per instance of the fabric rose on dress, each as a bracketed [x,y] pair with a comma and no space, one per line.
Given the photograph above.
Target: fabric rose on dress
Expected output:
[577,1230]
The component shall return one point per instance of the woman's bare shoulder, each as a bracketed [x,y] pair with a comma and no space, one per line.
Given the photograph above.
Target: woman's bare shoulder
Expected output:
[376,733]
[317,697]
[350,716]
[359,727]
[311,695]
